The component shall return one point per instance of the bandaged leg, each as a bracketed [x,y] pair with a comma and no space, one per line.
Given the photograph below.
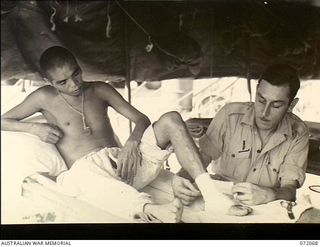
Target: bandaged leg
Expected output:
[215,200]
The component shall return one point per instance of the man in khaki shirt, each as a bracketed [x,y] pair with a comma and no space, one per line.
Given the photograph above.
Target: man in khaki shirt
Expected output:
[262,146]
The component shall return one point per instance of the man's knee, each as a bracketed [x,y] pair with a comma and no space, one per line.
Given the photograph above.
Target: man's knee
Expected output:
[171,118]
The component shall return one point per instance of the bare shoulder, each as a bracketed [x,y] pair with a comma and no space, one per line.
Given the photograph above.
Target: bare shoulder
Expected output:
[43,92]
[100,89]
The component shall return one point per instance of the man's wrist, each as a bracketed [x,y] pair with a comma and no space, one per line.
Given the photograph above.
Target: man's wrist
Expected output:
[32,128]
[272,195]
[183,173]
[133,142]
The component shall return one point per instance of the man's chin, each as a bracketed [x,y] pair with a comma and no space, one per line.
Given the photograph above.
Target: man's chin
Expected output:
[263,126]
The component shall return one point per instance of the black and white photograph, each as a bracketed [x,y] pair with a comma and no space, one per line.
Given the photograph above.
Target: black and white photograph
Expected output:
[197,114]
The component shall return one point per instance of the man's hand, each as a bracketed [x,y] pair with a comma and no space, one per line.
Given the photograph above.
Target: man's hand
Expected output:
[47,132]
[128,161]
[184,189]
[250,194]
[196,130]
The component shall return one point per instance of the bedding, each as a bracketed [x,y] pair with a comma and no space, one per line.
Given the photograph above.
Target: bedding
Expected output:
[23,155]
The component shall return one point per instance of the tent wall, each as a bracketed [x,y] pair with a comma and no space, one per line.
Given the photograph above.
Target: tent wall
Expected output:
[198,39]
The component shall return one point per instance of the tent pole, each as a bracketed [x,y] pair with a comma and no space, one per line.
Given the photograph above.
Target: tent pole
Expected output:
[127,64]
[247,41]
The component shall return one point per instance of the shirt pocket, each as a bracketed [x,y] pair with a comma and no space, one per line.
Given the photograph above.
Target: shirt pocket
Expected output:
[245,154]
[236,164]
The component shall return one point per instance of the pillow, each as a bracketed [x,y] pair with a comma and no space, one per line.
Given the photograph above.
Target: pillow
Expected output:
[24,154]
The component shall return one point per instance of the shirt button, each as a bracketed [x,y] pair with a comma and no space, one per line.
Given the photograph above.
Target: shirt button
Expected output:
[254,169]
[233,155]
[258,151]
[274,169]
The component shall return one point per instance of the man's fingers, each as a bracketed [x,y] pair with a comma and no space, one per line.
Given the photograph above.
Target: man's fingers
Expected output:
[52,138]
[139,159]
[244,197]
[131,172]
[136,164]
[119,167]
[185,203]
[189,185]
[131,179]
[56,131]
[240,189]
[186,198]
[124,171]
[247,202]
[188,192]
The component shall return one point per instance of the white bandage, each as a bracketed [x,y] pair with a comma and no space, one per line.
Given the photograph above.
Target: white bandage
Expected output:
[214,199]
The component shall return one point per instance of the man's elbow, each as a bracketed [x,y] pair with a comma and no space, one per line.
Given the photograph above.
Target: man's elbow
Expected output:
[145,120]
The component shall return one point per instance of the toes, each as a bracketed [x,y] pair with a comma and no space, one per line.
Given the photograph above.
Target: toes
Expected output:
[177,203]
[176,206]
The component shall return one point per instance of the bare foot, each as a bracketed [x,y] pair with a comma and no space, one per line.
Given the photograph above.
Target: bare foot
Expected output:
[167,213]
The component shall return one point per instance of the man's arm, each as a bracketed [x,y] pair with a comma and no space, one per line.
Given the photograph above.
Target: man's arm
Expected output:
[291,175]
[12,120]
[129,157]
[251,194]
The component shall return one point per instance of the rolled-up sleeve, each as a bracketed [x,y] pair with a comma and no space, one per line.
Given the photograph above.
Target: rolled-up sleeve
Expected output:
[295,163]
[212,142]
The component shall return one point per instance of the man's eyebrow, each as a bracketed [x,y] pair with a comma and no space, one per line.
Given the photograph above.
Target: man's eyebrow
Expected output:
[275,101]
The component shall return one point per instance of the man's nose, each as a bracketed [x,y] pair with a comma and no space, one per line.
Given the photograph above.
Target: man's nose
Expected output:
[266,111]
[73,83]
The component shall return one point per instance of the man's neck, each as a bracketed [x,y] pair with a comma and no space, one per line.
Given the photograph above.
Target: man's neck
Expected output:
[265,135]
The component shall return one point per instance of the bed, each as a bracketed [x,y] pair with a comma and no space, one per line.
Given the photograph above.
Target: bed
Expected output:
[30,197]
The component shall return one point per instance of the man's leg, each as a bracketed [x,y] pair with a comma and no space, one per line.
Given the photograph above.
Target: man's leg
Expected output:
[90,180]
[170,128]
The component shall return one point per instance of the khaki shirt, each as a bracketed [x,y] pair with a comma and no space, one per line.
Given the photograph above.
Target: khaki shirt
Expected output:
[232,136]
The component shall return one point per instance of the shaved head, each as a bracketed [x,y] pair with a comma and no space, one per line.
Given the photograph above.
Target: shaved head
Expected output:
[55,57]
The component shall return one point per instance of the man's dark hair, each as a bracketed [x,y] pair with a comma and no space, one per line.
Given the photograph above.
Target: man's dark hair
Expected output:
[280,75]
[55,56]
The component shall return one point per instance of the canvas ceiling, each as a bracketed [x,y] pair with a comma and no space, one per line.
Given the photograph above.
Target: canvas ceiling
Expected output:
[156,40]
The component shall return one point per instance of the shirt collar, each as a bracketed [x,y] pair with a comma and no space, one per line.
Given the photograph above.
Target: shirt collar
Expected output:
[283,128]
[248,117]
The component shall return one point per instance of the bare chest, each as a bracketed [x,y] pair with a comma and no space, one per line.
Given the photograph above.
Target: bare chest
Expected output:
[74,117]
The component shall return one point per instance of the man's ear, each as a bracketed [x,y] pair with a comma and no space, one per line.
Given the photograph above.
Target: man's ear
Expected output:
[294,102]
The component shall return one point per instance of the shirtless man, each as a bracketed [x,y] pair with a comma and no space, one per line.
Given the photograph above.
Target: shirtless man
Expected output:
[78,124]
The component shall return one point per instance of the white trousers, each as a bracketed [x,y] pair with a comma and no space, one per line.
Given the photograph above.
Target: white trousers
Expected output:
[92,178]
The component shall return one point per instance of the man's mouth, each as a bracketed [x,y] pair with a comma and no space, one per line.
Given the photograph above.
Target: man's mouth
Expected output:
[76,91]
[264,119]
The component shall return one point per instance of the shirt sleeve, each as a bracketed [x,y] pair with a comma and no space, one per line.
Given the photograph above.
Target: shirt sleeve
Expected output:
[212,142]
[295,163]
